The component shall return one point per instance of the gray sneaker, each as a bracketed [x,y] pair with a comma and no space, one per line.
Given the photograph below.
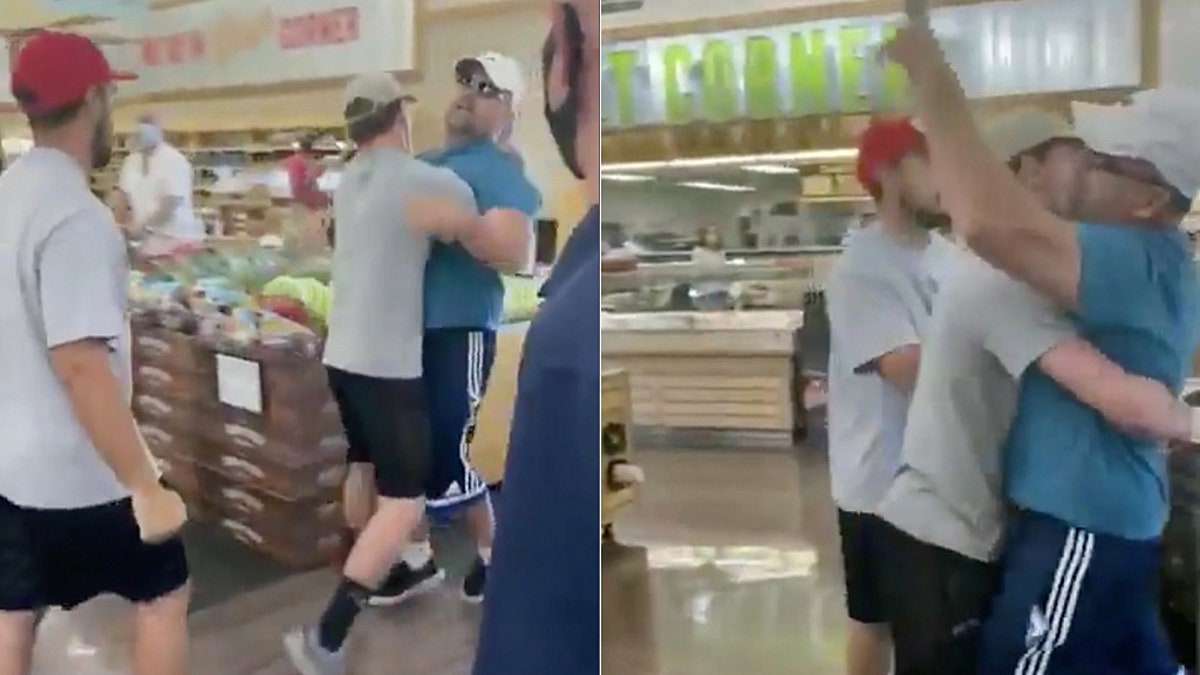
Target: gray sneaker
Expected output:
[308,656]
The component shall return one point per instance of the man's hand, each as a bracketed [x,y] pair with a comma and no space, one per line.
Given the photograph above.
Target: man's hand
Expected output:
[916,49]
[160,513]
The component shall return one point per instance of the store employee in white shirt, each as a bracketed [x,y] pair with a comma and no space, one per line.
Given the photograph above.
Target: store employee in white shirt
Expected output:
[880,298]
[156,181]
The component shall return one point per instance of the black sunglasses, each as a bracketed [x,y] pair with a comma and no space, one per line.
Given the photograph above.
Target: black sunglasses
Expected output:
[480,86]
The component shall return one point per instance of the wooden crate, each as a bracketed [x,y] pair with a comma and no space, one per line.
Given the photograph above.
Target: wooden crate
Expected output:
[722,370]
[755,393]
[615,448]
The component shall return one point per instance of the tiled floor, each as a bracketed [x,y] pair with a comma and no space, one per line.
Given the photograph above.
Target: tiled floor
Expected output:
[728,563]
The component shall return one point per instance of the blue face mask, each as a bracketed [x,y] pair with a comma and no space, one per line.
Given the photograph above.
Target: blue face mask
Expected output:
[149,135]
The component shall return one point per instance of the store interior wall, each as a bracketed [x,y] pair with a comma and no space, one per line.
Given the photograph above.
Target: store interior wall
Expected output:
[513,28]
[644,208]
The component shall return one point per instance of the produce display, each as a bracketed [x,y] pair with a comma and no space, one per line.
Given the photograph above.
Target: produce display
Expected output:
[245,300]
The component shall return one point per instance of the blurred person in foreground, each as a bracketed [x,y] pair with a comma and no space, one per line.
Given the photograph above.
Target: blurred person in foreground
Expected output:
[542,615]
[1077,591]
[464,300]
[82,512]
[881,292]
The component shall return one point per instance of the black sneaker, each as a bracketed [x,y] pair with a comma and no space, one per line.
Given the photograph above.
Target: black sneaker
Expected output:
[403,582]
[474,583]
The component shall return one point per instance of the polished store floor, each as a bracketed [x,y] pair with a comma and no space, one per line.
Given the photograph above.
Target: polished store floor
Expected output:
[728,563]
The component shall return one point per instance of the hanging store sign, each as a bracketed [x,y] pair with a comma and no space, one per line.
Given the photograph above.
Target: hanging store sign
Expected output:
[832,66]
[230,43]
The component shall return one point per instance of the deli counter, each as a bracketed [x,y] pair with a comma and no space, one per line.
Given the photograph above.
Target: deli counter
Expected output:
[713,352]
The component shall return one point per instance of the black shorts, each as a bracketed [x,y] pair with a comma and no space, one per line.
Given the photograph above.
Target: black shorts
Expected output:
[937,601]
[863,560]
[387,424]
[63,558]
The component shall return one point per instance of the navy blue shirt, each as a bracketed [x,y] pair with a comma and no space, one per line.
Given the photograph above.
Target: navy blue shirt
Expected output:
[460,291]
[542,615]
[1137,305]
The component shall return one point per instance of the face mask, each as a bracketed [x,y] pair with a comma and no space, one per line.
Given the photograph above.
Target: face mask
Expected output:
[149,135]
[564,121]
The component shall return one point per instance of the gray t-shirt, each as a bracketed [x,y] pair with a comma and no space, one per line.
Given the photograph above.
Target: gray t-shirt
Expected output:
[986,330]
[880,296]
[376,318]
[67,281]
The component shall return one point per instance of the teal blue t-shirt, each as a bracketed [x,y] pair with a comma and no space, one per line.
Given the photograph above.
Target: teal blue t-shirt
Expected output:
[1137,305]
[460,291]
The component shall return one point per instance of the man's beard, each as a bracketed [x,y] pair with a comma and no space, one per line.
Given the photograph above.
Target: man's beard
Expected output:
[102,143]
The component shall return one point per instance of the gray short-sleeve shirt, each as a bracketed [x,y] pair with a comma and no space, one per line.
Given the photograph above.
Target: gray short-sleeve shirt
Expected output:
[879,297]
[67,281]
[986,330]
[376,320]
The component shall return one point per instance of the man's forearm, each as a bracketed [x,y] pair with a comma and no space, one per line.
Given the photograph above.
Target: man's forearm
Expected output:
[100,406]
[1136,405]
[162,214]
[500,239]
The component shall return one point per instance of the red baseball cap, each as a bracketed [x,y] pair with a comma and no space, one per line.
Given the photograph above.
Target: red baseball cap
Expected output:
[56,69]
[885,143]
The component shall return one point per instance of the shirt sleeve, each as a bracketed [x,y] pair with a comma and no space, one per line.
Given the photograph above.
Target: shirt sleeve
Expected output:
[1116,276]
[81,275]
[445,183]
[1019,325]
[177,181]
[125,181]
[513,189]
[867,320]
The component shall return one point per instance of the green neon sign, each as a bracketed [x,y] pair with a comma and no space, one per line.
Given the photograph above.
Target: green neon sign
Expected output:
[782,72]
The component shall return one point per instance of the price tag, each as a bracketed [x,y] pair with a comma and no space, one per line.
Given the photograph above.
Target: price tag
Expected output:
[239,383]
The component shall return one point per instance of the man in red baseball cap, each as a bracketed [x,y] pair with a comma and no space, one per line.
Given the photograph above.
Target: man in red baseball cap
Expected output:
[880,295]
[82,511]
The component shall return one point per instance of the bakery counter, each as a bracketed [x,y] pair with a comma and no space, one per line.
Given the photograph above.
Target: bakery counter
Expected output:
[732,371]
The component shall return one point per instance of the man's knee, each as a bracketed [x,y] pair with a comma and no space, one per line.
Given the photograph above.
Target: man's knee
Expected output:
[169,607]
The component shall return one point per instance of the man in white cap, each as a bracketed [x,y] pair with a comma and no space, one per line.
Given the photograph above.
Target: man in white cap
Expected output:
[464,297]
[373,352]
[1082,553]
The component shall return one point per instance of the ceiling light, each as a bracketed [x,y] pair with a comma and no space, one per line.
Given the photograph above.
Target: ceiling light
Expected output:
[771,169]
[720,187]
[805,156]
[626,177]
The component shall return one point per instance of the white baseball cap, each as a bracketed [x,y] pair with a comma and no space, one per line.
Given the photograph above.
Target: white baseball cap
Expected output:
[1011,133]
[370,93]
[504,71]
[1161,126]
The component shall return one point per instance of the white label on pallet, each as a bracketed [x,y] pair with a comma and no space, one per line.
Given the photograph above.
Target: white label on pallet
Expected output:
[239,383]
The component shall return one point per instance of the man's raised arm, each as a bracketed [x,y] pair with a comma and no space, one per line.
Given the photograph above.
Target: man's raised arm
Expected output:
[999,218]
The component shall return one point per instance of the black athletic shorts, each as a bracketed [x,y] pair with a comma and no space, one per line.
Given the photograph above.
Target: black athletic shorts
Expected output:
[63,558]
[863,560]
[937,601]
[387,424]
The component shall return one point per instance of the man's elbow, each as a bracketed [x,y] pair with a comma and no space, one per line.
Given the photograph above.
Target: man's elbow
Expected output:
[502,240]
[77,362]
